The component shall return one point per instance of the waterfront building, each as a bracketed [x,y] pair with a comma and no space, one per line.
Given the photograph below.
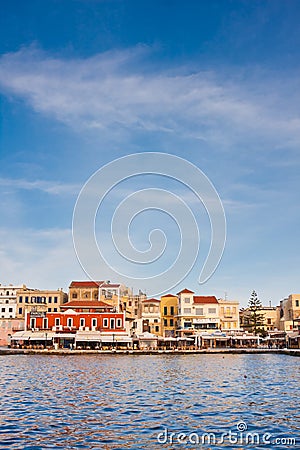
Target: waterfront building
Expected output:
[168,312]
[229,315]
[39,300]
[105,320]
[7,328]
[269,315]
[196,313]
[92,323]
[289,313]
[8,300]
[150,319]
[114,294]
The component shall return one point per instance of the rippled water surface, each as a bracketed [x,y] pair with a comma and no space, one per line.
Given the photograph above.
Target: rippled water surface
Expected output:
[121,402]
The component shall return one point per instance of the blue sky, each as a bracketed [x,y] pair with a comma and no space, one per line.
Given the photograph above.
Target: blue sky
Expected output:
[215,82]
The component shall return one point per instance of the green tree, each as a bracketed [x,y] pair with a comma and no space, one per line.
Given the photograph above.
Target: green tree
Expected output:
[255,321]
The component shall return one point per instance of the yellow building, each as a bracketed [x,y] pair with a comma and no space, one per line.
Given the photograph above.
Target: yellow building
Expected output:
[289,312]
[39,300]
[229,315]
[270,318]
[168,312]
[110,293]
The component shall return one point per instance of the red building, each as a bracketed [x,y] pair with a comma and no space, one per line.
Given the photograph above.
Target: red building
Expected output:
[90,316]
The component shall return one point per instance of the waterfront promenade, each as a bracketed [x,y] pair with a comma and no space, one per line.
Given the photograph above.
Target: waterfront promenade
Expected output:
[231,351]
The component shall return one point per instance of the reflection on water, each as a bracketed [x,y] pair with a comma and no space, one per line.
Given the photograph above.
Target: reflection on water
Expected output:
[120,402]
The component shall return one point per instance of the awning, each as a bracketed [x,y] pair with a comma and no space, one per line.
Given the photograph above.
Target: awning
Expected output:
[295,335]
[64,335]
[245,338]
[115,339]
[32,336]
[88,337]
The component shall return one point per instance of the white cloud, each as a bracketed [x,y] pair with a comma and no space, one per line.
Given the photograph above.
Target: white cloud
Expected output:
[38,258]
[111,90]
[50,187]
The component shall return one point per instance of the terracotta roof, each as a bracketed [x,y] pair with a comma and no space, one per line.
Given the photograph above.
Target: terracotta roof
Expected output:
[151,300]
[168,295]
[86,284]
[205,299]
[186,291]
[85,304]
[110,285]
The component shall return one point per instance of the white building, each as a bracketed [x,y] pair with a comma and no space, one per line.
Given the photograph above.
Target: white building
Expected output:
[8,301]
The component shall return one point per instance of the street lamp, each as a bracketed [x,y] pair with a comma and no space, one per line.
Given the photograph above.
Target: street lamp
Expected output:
[46,339]
[113,336]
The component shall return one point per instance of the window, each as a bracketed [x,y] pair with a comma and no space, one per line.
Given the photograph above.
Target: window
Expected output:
[234,310]
[26,300]
[32,323]
[49,309]
[55,309]
[45,323]
[187,310]
[269,321]
[187,324]
[57,321]
[2,309]
[21,299]
[50,300]
[69,322]
[55,299]
[20,310]
[165,322]
[94,322]
[74,295]
[213,311]
[171,322]
[157,329]
[172,311]
[155,321]
[112,323]
[199,311]
[82,322]
[10,310]
[7,292]
[297,303]
[119,323]
[105,323]
[165,310]
[187,300]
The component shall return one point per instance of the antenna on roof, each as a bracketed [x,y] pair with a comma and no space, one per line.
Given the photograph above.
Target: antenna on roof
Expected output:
[225,295]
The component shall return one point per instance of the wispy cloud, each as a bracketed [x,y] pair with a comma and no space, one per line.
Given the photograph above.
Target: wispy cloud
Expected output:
[50,187]
[110,90]
[39,258]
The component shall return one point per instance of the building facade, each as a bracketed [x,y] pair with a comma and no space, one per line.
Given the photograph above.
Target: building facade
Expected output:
[8,301]
[229,315]
[168,313]
[39,300]
[151,320]
[197,313]
[289,312]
